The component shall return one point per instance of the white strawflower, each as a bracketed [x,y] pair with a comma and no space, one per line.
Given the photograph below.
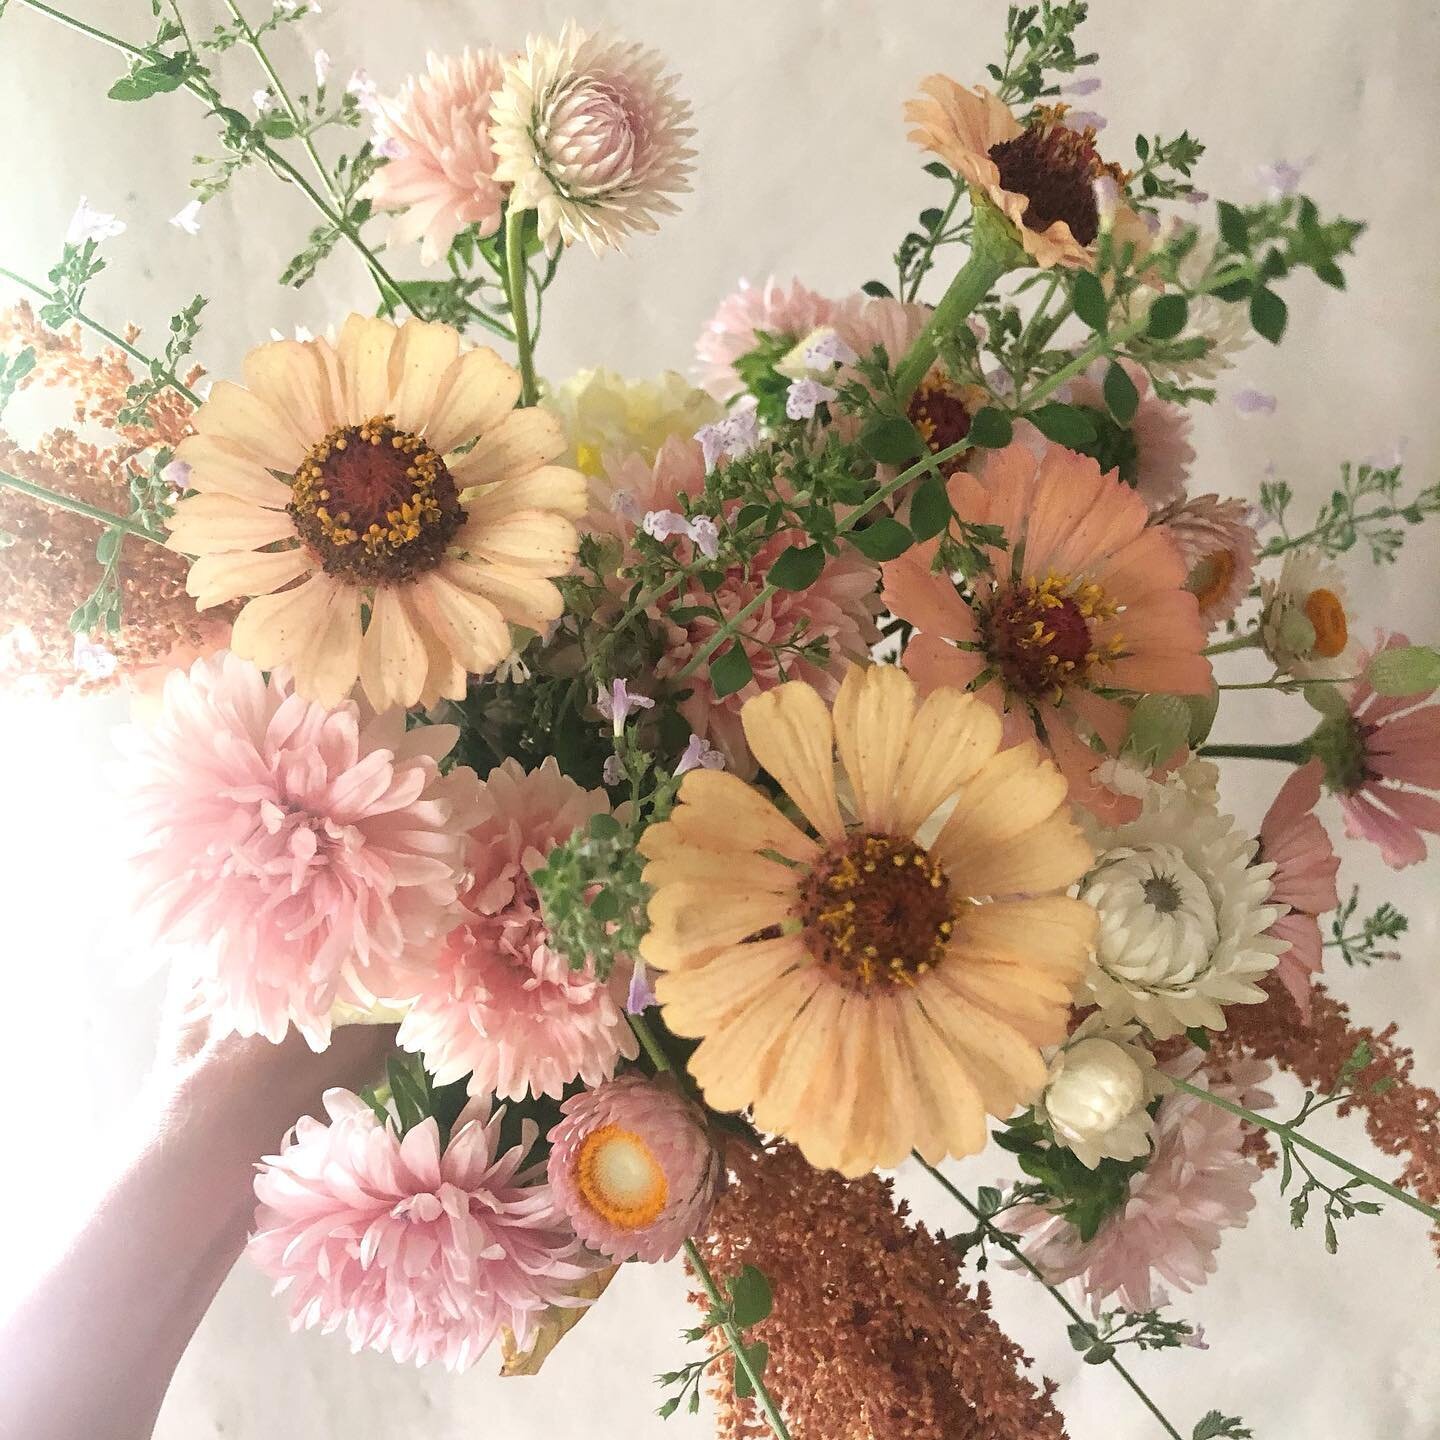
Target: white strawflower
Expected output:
[1183,915]
[1101,1081]
[591,136]
[603,412]
[1304,627]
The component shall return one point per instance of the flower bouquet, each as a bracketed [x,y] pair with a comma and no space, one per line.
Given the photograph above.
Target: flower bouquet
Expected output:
[733,792]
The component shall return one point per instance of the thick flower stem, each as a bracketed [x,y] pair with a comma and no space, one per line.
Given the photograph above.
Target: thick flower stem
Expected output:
[79,507]
[1240,642]
[1008,1243]
[515,282]
[1296,754]
[1291,1136]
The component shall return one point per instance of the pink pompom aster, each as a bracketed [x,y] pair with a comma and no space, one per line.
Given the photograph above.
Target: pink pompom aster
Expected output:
[304,850]
[500,1003]
[633,1167]
[422,1250]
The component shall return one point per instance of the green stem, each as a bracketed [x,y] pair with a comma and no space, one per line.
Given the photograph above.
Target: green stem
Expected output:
[79,507]
[1296,754]
[652,1047]
[926,259]
[82,28]
[1009,1244]
[1293,1137]
[515,272]
[737,1347]
[1240,642]
[172,380]
[1287,682]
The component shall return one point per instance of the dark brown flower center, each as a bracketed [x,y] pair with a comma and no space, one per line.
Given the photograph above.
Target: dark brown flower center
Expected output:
[1055,168]
[939,414]
[375,503]
[1037,634]
[877,911]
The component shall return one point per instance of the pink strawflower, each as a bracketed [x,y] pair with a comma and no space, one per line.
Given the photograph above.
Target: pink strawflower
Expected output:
[1217,539]
[306,851]
[1304,879]
[633,1168]
[1385,744]
[424,1251]
[747,314]
[500,1003]
[441,174]
[1153,452]
[1198,1184]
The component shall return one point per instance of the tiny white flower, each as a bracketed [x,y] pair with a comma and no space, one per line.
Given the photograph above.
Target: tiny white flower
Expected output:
[90,224]
[1304,618]
[1282,177]
[612,772]
[323,66]
[699,755]
[263,101]
[188,218]
[733,437]
[705,535]
[805,396]
[93,660]
[177,476]
[662,524]
[365,91]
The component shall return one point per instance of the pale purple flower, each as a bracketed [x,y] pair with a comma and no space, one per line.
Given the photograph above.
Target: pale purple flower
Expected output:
[1389,458]
[263,101]
[617,704]
[1196,1339]
[623,504]
[1195,197]
[323,66]
[387,147]
[733,437]
[1254,402]
[699,755]
[1282,178]
[612,772]
[641,995]
[1087,86]
[804,396]
[662,524]
[1083,120]
[93,660]
[365,91]
[187,218]
[829,349]
[705,536]
[177,476]
[90,224]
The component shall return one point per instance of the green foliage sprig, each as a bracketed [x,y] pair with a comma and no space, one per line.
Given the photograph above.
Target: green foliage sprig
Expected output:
[745,1302]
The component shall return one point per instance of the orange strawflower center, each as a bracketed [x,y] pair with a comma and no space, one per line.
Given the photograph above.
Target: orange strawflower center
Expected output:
[939,414]
[620,1178]
[1324,610]
[1055,168]
[1037,634]
[1210,578]
[877,911]
[375,503]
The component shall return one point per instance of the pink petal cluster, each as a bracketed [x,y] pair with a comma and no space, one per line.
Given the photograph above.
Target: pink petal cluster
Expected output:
[1198,1184]
[1394,742]
[500,1003]
[1295,841]
[422,1250]
[1219,545]
[306,851]
[750,311]
[672,1131]
[441,170]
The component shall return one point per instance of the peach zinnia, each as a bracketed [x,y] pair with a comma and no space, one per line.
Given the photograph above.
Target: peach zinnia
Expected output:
[1082,601]
[867,989]
[391,477]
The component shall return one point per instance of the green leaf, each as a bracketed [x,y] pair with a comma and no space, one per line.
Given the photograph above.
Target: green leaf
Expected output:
[877,289]
[1120,393]
[1142,147]
[931,218]
[604,827]
[883,540]
[153,79]
[891,439]
[1099,1354]
[938,169]
[758,1355]
[1090,302]
[747,515]
[990,429]
[1159,726]
[731,671]
[1236,290]
[1233,227]
[1069,425]
[1404,670]
[930,509]
[750,1297]
[1199,1037]
[1167,317]
[1327,699]
[107,546]
[1268,314]
[605,906]
[1203,709]
[797,568]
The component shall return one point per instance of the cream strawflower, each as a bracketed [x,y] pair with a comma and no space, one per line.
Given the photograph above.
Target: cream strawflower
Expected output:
[1304,626]
[604,414]
[1101,1082]
[332,487]
[1183,916]
[592,137]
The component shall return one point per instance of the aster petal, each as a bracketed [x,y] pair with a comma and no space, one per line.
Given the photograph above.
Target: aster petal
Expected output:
[928,601]
[217,467]
[1012,794]
[550,487]
[1045,857]
[752,823]
[213,524]
[214,579]
[951,737]
[364,349]
[534,540]
[521,596]
[872,716]
[476,393]
[521,442]
[419,360]
[313,628]
[948,1090]
[291,378]
[701,998]
[469,627]
[234,414]
[393,661]
[934,663]
[789,731]
[688,928]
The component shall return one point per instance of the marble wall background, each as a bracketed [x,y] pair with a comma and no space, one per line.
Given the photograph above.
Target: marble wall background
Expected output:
[804,171]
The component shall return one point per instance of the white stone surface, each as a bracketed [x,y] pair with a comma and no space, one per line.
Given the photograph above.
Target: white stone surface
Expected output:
[804,171]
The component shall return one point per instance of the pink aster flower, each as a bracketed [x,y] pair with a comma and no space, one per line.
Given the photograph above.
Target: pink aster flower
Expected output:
[423,1250]
[1304,879]
[1153,452]
[1198,1184]
[750,313]
[305,850]
[633,1168]
[500,1004]
[1217,540]
[1384,745]
[442,172]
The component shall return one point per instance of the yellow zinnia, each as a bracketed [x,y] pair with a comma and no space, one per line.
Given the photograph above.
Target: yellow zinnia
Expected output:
[863,990]
[386,508]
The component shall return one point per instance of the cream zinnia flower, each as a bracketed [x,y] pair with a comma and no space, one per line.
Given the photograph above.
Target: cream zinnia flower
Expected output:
[340,467]
[1183,916]
[592,137]
[1304,627]
[604,413]
[866,992]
